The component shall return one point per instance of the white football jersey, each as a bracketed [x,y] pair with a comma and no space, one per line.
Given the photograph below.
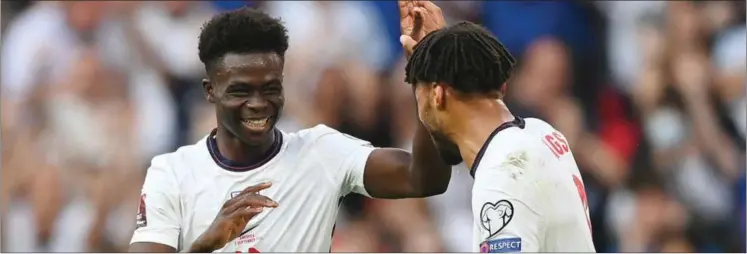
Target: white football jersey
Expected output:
[528,195]
[310,173]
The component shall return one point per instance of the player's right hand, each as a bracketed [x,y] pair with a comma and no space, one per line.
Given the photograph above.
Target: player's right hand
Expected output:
[232,218]
[417,19]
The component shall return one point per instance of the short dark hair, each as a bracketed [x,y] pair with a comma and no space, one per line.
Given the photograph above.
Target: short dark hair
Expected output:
[464,56]
[244,30]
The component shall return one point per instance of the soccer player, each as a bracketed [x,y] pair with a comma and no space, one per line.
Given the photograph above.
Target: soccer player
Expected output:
[528,195]
[249,187]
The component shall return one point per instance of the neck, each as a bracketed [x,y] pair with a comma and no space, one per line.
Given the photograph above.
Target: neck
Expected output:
[238,151]
[474,125]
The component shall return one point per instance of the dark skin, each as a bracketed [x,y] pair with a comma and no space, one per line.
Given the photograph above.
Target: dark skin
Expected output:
[249,86]
[418,19]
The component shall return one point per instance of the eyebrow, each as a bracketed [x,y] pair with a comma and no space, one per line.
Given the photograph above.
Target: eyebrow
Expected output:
[270,82]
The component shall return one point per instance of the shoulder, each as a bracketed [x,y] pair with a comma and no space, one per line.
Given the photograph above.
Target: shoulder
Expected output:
[536,124]
[529,137]
[325,136]
[325,144]
[514,154]
[183,158]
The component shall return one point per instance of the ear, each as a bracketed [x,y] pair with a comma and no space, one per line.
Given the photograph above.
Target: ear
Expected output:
[439,95]
[208,90]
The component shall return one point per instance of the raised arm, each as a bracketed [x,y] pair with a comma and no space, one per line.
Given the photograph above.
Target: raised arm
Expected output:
[395,173]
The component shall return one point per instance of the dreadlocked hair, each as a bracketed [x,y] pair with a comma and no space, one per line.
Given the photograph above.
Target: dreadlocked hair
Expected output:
[464,56]
[241,31]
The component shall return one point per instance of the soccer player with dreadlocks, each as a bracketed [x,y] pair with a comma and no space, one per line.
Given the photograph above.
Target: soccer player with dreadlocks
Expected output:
[528,195]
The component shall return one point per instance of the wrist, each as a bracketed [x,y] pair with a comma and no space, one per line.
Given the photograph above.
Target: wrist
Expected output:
[201,246]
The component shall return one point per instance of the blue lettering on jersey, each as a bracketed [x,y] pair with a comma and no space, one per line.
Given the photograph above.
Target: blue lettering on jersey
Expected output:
[501,245]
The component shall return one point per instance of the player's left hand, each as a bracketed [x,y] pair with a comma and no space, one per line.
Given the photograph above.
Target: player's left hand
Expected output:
[418,19]
[232,218]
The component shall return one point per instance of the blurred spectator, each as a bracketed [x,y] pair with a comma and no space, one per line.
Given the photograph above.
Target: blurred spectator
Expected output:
[29,56]
[630,30]
[332,36]
[160,25]
[692,152]
[730,61]
[518,23]
[39,58]
[452,212]
[30,64]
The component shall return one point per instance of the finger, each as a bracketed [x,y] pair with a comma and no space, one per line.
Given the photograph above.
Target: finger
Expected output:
[247,213]
[251,201]
[256,188]
[405,7]
[419,17]
[242,216]
[263,200]
[419,12]
[433,11]
[257,200]
[408,43]
[430,6]
[248,190]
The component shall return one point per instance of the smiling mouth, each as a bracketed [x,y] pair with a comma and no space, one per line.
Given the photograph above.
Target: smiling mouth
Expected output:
[256,123]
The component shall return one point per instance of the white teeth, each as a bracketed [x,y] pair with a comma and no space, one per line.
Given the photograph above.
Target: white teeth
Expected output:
[256,123]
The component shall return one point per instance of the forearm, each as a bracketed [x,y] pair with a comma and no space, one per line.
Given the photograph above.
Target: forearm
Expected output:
[198,248]
[430,174]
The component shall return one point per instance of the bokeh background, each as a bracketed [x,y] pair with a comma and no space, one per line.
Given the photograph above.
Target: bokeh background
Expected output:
[651,96]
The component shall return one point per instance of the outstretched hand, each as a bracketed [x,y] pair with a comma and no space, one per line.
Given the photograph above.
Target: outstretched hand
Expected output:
[232,218]
[418,19]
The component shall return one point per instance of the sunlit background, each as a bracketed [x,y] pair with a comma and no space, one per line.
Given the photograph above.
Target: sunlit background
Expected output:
[651,96]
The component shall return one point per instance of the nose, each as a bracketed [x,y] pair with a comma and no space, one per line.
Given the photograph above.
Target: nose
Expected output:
[256,103]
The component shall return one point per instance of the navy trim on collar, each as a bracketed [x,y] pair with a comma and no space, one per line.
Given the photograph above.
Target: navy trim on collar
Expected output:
[233,166]
[517,122]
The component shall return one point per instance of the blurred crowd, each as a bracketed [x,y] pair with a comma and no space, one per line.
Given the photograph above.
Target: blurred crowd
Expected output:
[650,94]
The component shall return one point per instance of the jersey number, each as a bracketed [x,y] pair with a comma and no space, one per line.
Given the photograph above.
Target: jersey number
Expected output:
[582,194]
[559,147]
[557,144]
[251,250]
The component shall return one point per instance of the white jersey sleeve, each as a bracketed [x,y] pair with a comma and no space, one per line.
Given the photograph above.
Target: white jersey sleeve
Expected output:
[347,154]
[159,211]
[507,211]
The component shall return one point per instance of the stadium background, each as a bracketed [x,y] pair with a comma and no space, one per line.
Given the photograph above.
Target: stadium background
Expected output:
[650,94]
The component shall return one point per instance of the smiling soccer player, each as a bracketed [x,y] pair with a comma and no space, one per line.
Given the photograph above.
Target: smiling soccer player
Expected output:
[249,187]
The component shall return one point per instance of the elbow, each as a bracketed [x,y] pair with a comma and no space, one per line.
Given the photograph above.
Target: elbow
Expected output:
[431,189]
[431,184]
[437,190]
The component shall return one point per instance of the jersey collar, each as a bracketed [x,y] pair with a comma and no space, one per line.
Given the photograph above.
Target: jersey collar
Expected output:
[230,165]
[517,122]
